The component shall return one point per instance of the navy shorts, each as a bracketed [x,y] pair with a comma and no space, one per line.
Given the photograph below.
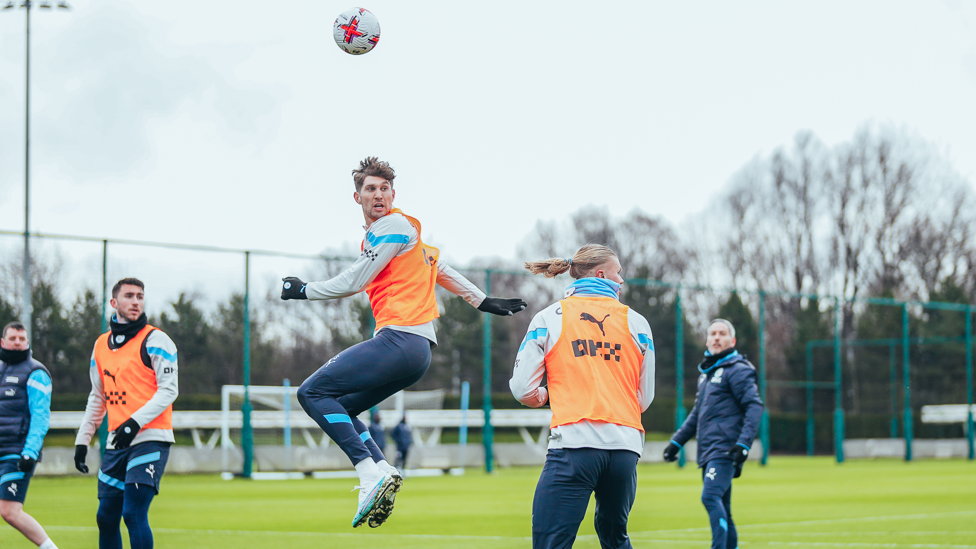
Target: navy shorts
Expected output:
[13,481]
[142,464]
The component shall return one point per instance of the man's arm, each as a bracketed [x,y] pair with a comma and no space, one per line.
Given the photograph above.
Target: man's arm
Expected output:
[387,238]
[746,394]
[689,428]
[162,354]
[640,330]
[95,409]
[39,404]
[530,363]
[455,283]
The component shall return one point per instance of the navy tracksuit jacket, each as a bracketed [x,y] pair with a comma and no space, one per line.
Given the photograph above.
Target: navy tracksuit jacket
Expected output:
[727,409]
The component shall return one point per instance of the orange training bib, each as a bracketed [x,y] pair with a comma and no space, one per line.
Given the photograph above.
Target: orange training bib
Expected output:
[127,382]
[594,368]
[403,293]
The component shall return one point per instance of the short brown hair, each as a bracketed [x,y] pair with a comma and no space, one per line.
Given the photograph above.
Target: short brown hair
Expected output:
[372,166]
[130,281]
[580,265]
[13,326]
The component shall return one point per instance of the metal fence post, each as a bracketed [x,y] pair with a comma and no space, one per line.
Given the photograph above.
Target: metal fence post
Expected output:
[488,433]
[906,349]
[679,369]
[810,426]
[838,390]
[894,390]
[969,380]
[764,424]
[247,435]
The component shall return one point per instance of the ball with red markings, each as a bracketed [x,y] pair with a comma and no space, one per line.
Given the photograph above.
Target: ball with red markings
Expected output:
[356,31]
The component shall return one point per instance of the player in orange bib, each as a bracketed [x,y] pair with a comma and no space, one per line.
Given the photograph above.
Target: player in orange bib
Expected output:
[134,380]
[598,357]
[399,272]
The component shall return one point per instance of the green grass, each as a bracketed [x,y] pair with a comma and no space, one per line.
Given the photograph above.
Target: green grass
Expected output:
[810,502]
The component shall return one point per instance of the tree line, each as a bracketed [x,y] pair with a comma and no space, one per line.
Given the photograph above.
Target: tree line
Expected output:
[881,215]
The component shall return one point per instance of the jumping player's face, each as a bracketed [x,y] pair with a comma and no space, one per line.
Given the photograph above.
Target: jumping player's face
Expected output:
[719,338]
[610,270]
[376,197]
[130,302]
[15,340]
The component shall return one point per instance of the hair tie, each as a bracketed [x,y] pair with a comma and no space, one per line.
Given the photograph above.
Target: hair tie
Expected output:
[569,260]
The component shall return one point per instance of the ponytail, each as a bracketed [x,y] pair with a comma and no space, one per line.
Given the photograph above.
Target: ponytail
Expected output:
[579,266]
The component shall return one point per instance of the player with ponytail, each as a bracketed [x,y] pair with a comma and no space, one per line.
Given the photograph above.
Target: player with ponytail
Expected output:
[598,358]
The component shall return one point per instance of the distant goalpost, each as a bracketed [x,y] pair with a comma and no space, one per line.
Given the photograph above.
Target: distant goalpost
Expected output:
[278,423]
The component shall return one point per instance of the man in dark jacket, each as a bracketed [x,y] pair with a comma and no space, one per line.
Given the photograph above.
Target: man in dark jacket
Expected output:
[377,432]
[25,415]
[403,438]
[725,420]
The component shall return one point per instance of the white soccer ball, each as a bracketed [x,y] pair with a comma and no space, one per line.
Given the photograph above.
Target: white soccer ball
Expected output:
[356,31]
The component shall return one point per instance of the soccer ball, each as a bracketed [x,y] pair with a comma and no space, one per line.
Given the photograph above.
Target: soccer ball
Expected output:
[356,31]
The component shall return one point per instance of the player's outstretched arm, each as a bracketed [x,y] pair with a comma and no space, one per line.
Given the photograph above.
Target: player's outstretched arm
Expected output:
[455,283]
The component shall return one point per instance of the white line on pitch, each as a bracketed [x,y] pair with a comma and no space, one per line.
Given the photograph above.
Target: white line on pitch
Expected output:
[285,533]
[821,521]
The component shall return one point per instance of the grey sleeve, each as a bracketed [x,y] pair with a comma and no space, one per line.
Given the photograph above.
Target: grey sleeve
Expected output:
[386,239]
[94,409]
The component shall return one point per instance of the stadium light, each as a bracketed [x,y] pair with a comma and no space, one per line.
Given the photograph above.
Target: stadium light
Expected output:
[27,308]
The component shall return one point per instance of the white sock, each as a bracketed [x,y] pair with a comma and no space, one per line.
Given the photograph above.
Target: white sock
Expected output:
[369,473]
[383,466]
[48,545]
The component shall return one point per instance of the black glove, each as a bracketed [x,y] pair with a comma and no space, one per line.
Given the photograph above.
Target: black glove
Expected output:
[739,455]
[293,288]
[125,433]
[81,451]
[26,464]
[502,306]
[671,452]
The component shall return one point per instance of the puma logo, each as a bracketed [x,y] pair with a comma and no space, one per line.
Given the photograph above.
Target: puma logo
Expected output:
[12,488]
[151,470]
[590,318]
[111,376]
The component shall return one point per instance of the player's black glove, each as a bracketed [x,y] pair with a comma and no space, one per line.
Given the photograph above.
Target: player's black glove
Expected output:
[502,306]
[671,452]
[739,455]
[81,452]
[125,433]
[292,287]
[26,464]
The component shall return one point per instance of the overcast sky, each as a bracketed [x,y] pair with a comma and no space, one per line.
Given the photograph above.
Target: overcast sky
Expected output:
[236,124]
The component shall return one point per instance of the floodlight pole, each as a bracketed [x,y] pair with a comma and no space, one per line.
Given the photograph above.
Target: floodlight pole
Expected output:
[27,309]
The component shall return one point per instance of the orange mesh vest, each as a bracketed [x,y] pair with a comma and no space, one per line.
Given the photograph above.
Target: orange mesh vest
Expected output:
[127,382]
[594,368]
[403,293]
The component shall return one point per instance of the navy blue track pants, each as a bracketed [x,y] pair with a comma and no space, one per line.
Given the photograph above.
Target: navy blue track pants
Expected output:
[359,378]
[568,479]
[717,499]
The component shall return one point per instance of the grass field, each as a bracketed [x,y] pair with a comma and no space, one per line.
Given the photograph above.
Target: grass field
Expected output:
[810,502]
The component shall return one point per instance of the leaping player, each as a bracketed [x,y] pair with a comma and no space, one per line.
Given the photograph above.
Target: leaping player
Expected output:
[398,272]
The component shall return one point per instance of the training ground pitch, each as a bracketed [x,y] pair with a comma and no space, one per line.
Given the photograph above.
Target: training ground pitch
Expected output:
[792,502]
